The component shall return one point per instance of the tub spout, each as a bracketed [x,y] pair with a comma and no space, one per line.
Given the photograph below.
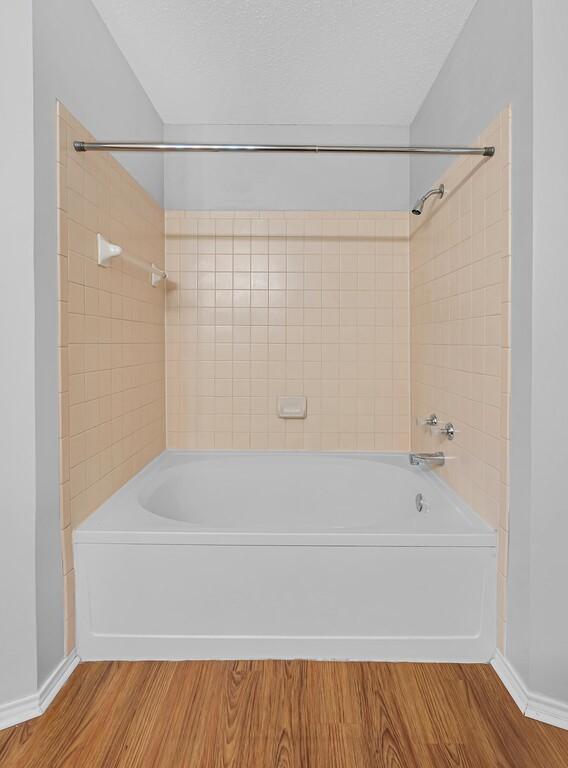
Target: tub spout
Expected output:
[431,459]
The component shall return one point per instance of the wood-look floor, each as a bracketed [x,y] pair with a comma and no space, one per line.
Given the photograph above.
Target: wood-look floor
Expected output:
[263,714]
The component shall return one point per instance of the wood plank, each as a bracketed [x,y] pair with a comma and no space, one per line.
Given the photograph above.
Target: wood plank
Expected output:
[283,714]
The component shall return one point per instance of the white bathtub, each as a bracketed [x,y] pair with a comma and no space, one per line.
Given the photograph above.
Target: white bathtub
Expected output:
[254,555]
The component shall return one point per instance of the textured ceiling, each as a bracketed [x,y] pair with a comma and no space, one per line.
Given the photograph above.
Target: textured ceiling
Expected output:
[286,61]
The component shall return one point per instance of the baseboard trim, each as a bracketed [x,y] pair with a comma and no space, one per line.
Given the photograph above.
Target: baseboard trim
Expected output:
[511,680]
[548,710]
[533,705]
[28,707]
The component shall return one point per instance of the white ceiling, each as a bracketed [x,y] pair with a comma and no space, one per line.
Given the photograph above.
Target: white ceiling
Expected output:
[286,61]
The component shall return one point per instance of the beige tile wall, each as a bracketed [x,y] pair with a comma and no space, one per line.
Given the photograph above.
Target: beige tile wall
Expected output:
[262,304]
[460,301]
[112,391]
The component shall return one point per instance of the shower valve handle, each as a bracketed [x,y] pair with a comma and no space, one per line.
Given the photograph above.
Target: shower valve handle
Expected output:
[448,430]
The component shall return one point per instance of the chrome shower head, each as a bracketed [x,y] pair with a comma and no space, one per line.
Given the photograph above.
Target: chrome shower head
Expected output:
[419,204]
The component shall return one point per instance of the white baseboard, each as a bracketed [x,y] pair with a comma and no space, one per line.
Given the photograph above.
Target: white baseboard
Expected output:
[28,707]
[548,710]
[510,679]
[533,705]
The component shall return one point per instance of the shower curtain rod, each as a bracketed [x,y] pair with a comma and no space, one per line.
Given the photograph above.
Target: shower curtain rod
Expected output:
[141,146]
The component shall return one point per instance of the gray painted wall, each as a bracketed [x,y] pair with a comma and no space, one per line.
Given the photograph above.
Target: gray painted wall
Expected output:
[490,66]
[286,182]
[76,61]
[18,666]
[549,529]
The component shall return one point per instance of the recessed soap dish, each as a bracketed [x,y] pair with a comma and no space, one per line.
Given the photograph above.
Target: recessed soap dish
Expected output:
[292,407]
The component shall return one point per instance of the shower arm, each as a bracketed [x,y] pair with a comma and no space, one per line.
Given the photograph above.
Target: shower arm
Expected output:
[438,191]
[141,146]
[419,204]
